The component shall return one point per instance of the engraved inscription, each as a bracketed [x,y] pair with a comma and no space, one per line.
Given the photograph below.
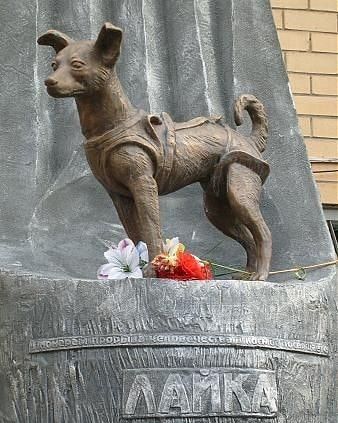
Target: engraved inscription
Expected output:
[203,382]
[174,395]
[191,392]
[141,386]
[172,339]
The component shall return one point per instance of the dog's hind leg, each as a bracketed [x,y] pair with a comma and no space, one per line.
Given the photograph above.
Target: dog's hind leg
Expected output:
[220,215]
[243,191]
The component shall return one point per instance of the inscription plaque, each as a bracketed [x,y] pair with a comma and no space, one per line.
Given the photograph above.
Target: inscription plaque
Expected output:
[193,392]
[165,339]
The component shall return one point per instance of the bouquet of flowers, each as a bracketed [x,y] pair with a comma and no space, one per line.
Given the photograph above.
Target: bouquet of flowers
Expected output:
[177,263]
[128,260]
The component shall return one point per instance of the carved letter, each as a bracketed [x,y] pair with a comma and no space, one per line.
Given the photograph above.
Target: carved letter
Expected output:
[174,395]
[235,386]
[265,394]
[206,382]
[140,385]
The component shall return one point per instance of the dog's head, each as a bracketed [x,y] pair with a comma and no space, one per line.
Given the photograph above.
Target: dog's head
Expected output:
[81,67]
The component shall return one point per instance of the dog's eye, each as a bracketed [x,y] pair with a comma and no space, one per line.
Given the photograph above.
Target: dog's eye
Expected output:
[77,64]
[54,66]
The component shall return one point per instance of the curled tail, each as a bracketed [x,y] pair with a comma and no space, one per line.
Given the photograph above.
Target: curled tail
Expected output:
[255,108]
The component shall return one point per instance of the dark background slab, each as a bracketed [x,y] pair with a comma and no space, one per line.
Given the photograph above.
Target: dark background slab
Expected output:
[186,57]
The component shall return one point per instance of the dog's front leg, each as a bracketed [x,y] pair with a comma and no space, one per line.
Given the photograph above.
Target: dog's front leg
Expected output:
[127,212]
[145,195]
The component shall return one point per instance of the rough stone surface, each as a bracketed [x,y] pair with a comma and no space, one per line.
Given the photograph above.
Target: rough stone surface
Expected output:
[200,55]
[265,349]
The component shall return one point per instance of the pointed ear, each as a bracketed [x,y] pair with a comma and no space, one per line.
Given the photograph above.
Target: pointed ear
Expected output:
[108,43]
[55,39]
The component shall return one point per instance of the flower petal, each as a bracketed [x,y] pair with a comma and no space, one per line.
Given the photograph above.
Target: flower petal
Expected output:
[109,254]
[115,257]
[176,249]
[143,251]
[133,260]
[169,244]
[105,271]
[136,274]
[125,253]
[125,243]
[109,271]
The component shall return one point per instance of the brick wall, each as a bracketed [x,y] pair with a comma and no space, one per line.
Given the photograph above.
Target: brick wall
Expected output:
[307,31]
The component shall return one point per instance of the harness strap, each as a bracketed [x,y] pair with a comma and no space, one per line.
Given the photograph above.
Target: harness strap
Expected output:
[168,150]
[114,133]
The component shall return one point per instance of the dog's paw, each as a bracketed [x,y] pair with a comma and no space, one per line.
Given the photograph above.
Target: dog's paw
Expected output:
[259,276]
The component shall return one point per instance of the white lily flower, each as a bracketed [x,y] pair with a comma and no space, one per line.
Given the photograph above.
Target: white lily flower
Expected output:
[123,262]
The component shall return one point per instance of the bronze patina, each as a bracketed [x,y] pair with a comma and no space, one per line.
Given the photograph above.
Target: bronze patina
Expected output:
[138,156]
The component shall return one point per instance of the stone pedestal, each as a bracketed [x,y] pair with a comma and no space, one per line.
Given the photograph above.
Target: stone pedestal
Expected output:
[155,350]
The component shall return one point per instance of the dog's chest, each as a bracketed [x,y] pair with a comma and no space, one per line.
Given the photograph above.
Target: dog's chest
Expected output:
[104,172]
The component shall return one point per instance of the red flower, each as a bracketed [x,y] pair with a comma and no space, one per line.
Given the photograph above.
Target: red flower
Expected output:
[186,267]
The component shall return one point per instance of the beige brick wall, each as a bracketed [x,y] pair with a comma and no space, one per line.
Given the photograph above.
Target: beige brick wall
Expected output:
[308,34]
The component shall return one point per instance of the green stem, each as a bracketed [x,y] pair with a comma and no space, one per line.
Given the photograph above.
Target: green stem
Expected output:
[226,267]
[223,274]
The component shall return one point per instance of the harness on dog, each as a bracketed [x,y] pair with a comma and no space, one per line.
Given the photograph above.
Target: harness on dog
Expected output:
[156,135]
[131,132]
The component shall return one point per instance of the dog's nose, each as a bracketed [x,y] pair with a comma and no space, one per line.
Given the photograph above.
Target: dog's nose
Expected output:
[50,82]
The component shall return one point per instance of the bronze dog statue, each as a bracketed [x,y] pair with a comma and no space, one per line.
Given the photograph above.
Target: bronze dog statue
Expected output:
[137,156]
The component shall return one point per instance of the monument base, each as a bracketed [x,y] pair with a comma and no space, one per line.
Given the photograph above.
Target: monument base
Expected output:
[143,350]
